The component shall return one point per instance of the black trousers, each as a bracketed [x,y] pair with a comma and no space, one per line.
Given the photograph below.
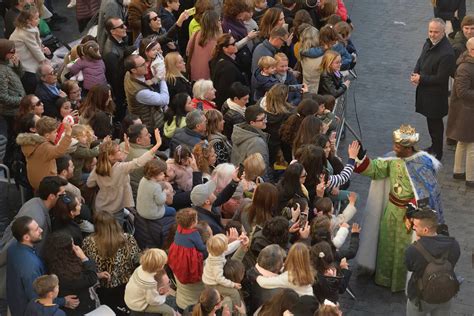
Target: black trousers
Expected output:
[436,130]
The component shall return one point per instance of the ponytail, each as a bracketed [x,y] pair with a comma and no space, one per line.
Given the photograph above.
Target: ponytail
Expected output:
[104,165]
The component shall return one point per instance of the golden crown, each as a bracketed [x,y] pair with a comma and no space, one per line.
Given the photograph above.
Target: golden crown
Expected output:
[406,136]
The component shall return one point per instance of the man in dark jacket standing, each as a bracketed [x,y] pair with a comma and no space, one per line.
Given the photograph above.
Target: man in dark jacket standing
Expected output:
[430,76]
[113,55]
[425,224]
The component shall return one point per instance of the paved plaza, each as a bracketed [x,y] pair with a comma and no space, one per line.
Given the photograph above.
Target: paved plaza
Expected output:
[389,35]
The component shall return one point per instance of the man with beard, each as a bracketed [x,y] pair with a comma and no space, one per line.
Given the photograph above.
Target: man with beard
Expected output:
[430,76]
[401,177]
[24,266]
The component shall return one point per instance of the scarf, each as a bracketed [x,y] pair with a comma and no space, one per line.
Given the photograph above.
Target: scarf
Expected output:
[234,106]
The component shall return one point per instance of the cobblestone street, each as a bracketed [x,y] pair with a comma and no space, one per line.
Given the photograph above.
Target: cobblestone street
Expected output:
[389,35]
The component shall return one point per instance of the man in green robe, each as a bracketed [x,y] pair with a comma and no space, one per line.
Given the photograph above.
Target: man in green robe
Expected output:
[404,176]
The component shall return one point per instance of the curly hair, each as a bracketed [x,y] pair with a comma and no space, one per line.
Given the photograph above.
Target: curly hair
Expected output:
[232,8]
[275,231]
[290,127]
[60,257]
[202,151]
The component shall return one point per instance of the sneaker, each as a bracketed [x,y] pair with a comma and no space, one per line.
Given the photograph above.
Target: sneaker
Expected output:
[71,4]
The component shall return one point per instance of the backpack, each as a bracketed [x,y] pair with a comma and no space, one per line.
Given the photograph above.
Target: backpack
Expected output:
[438,284]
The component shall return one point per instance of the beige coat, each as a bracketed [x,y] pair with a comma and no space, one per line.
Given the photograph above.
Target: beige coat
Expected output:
[28,47]
[311,72]
[115,191]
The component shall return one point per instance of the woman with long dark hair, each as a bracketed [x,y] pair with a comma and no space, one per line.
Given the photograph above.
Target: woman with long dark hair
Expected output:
[175,115]
[201,45]
[309,129]
[76,272]
[291,185]
[97,110]
[290,127]
[224,68]
[67,207]
[261,209]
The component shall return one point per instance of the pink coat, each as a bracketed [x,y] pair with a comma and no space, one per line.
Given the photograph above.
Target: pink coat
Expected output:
[200,58]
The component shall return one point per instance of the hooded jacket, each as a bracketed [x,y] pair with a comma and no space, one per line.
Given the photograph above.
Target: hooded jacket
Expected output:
[436,246]
[41,155]
[248,140]
[261,84]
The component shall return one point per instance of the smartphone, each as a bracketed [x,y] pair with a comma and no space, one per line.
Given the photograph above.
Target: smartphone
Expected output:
[241,171]
[191,11]
[303,219]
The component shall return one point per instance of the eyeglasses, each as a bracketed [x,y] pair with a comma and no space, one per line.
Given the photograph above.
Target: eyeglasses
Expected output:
[121,26]
[156,18]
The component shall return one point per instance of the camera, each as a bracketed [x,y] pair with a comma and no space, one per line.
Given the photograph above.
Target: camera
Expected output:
[411,210]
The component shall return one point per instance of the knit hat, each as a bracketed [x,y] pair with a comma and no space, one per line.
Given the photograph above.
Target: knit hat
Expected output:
[6,46]
[202,192]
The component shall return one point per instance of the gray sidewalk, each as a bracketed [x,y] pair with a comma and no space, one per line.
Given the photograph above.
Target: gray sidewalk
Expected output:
[384,97]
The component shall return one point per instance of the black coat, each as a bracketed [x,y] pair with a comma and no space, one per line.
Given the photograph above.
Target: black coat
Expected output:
[80,288]
[48,98]
[257,295]
[224,72]
[435,64]
[331,84]
[231,118]
[180,85]
[445,9]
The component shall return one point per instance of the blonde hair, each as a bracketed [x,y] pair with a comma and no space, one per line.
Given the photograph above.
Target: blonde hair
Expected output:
[298,265]
[172,72]
[328,59]
[254,166]
[153,259]
[79,130]
[309,38]
[104,165]
[217,244]
[266,61]
[280,57]
[201,87]
[275,101]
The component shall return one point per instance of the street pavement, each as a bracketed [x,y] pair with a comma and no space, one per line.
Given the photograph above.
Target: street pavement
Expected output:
[389,35]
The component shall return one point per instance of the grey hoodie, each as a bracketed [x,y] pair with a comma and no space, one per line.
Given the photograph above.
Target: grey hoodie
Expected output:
[248,140]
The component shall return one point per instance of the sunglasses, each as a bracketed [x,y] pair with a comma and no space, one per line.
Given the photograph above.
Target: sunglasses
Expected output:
[39,103]
[121,26]
[156,18]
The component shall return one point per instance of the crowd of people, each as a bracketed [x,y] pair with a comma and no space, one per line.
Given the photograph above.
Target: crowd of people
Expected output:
[184,161]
